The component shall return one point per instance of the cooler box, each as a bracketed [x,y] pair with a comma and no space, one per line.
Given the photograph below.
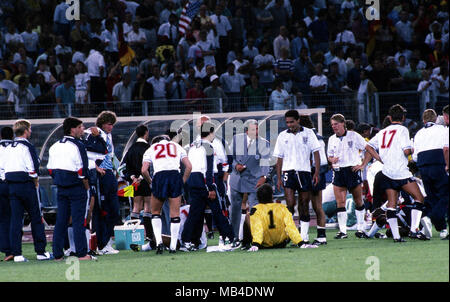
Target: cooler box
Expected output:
[129,233]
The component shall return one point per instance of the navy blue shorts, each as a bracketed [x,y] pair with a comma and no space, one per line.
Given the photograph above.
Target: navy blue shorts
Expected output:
[395,184]
[167,184]
[346,178]
[322,181]
[297,180]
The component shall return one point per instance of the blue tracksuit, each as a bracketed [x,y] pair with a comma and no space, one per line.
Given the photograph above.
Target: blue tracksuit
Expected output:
[21,168]
[5,208]
[68,165]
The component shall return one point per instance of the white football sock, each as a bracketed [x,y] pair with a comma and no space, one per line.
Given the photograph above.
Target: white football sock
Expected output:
[342,220]
[304,230]
[174,230]
[375,228]
[241,227]
[360,219]
[71,239]
[88,238]
[157,228]
[394,227]
[146,247]
[416,215]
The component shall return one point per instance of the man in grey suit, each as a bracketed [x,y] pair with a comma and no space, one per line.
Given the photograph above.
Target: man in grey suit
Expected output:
[251,155]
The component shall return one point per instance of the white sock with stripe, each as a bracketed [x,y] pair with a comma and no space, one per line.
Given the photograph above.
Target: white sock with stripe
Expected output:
[241,226]
[71,239]
[157,228]
[174,231]
[393,223]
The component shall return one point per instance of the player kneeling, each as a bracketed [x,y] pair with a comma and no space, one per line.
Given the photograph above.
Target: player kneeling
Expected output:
[271,224]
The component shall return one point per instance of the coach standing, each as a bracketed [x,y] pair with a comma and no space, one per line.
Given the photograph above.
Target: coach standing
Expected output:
[250,169]
[7,136]
[69,168]
[431,155]
[21,173]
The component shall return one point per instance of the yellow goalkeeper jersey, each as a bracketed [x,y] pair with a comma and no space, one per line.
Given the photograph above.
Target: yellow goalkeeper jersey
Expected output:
[272,224]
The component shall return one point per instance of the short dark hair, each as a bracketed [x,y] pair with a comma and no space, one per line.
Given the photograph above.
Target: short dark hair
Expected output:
[265,194]
[445,110]
[386,122]
[397,113]
[70,123]
[206,129]
[159,138]
[305,121]
[363,127]
[350,124]
[7,133]
[141,130]
[292,113]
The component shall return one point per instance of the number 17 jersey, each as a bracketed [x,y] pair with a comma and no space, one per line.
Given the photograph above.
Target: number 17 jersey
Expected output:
[391,142]
[164,156]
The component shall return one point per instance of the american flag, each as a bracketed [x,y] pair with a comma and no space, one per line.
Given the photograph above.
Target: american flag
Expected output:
[189,11]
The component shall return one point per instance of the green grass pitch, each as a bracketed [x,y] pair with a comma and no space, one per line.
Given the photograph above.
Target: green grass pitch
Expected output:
[340,260]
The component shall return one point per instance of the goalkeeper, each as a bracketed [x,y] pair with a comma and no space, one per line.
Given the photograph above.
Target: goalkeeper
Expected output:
[271,224]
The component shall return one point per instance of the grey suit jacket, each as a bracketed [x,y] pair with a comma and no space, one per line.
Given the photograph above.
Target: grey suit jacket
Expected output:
[256,159]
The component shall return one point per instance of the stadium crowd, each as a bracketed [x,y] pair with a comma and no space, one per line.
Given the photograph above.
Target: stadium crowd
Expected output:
[253,55]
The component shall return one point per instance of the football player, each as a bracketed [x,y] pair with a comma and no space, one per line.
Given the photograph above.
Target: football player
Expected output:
[167,183]
[271,224]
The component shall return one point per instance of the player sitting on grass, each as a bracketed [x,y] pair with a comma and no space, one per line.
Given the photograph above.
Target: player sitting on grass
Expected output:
[271,224]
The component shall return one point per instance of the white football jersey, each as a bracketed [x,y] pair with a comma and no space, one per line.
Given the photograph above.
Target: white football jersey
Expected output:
[347,148]
[390,143]
[164,156]
[430,137]
[296,149]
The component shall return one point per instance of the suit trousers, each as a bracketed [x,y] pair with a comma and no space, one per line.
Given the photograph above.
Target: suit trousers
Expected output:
[24,196]
[236,201]
[108,207]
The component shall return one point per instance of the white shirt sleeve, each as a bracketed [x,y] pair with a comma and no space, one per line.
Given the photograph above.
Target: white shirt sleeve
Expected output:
[374,141]
[313,142]
[277,151]
[360,142]
[147,158]
[405,142]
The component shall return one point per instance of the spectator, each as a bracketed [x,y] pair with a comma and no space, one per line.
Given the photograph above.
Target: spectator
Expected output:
[279,99]
[21,98]
[82,89]
[242,66]
[395,79]
[223,28]
[42,69]
[95,64]
[413,77]
[303,70]
[319,31]
[298,43]
[378,75]
[280,16]
[365,91]
[30,40]
[263,18]
[147,17]
[426,88]
[195,98]
[344,38]
[207,49]
[22,68]
[122,95]
[440,83]
[281,41]
[176,92]
[78,55]
[12,38]
[110,40]
[284,68]
[310,16]
[233,84]
[402,67]
[143,91]
[216,97]
[339,59]
[136,36]
[318,85]
[65,97]
[61,25]
[434,35]
[168,32]
[404,28]
[159,103]
[255,98]
[264,66]
[250,51]
[335,80]
[354,75]
[34,86]
[237,26]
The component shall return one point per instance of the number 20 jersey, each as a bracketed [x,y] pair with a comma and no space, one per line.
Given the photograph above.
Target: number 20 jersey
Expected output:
[391,142]
[271,224]
[165,156]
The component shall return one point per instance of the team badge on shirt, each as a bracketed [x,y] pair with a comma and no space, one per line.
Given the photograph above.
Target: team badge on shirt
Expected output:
[350,144]
[305,139]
